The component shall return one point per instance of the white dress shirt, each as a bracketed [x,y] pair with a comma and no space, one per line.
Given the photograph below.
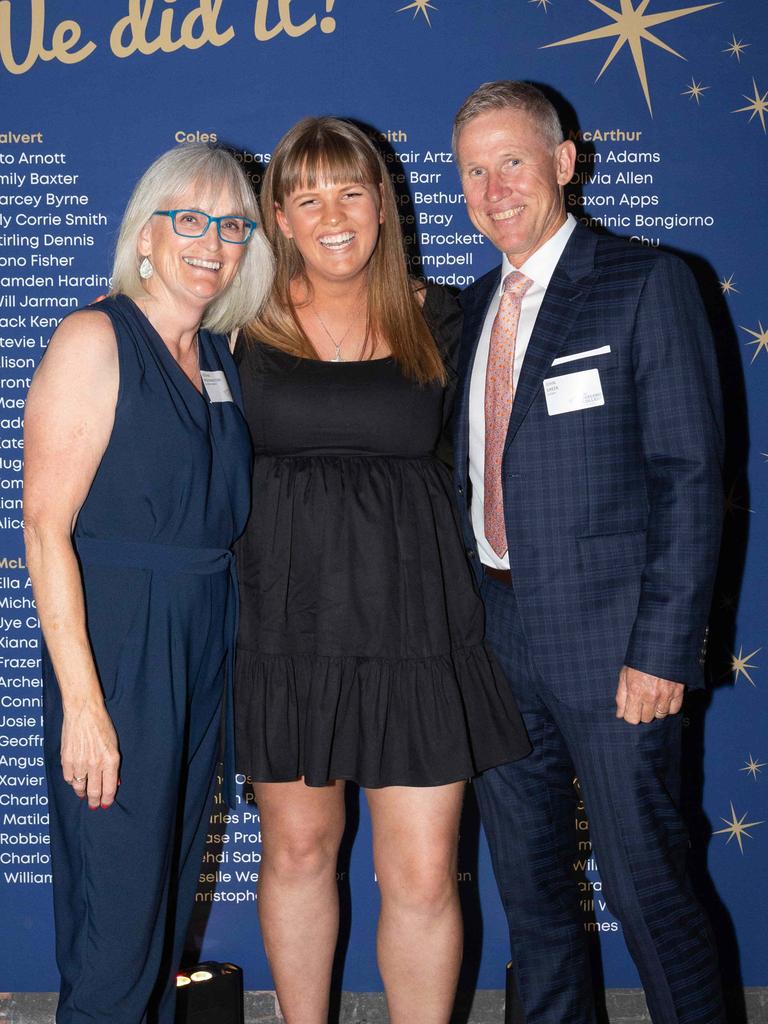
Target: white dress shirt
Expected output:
[539,267]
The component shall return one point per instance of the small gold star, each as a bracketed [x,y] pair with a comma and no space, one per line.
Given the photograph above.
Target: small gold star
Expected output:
[761,339]
[737,828]
[736,48]
[423,6]
[695,90]
[731,503]
[541,3]
[757,104]
[631,25]
[740,664]
[753,767]
[727,286]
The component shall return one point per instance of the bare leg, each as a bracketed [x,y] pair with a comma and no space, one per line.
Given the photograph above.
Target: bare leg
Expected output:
[415,840]
[298,897]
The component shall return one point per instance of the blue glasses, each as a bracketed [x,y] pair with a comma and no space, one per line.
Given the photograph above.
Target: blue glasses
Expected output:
[195,224]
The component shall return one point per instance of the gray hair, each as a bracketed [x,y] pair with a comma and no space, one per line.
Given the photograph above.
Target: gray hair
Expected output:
[508,95]
[214,171]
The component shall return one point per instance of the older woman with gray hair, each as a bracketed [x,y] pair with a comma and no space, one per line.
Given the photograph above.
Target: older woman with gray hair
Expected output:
[137,483]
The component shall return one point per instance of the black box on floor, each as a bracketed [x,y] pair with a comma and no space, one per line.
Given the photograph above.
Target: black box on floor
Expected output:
[210,993]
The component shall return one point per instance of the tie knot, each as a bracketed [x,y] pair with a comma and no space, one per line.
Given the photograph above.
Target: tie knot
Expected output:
[516,283]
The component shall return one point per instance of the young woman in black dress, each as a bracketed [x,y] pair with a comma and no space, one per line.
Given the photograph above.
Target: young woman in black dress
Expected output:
[361,653]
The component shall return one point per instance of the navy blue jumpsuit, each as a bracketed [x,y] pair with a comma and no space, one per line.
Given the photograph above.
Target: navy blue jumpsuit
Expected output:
[170,496]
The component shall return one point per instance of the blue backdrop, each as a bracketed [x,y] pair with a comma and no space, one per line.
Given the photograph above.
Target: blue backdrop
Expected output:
[668,105]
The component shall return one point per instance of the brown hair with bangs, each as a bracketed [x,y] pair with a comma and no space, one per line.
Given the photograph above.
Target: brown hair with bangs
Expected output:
[327,149]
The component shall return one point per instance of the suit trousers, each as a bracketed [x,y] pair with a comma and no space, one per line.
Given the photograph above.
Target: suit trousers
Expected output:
[629,778]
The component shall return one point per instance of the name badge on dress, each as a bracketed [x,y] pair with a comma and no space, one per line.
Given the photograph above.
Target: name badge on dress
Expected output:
[573,391]
[215,384]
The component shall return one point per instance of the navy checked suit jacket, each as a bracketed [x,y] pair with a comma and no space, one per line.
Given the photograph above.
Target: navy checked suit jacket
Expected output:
[613,513]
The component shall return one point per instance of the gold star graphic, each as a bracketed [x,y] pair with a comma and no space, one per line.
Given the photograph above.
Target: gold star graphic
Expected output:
[753,767]
[631,25]
[423,6]
[541,3]
[761,339]
[731,503]
[736,48]
[757,104]
[727,286]
[695,90]
[737,828]
[740,664]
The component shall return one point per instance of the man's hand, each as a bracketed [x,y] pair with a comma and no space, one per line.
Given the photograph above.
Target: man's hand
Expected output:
[641,698]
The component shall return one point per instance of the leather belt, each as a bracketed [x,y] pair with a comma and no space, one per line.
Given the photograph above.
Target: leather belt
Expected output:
[500,575]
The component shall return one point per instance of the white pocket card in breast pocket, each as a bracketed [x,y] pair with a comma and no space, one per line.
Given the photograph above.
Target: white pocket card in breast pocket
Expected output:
[573,391]
[216,387]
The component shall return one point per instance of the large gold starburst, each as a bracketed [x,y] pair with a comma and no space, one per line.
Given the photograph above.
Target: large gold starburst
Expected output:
[631,25]
[736,47]
[727,286]
[737,828]
[695,90]
[419,7]
[758,105]
[740,663]
[753,767]
[761,339]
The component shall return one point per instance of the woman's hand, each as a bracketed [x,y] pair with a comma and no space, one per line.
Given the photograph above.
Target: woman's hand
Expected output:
[90,758]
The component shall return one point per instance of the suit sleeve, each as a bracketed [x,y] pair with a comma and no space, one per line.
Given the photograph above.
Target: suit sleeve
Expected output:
[681,427]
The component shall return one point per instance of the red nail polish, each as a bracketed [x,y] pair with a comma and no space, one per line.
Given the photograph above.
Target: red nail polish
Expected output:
[93,808]
[105,807]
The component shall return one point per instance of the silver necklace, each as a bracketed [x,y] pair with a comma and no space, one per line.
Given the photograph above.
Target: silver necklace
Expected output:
[336,344]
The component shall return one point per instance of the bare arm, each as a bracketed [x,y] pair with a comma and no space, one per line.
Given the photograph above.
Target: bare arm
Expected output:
[69,416]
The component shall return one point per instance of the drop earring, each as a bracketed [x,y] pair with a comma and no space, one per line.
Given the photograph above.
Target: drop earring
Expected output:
[146,270]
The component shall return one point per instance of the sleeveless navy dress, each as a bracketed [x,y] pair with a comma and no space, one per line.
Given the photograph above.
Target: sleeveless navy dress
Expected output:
[361,651]
[153,539]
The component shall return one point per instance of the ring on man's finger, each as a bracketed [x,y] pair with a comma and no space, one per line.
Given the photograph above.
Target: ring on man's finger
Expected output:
[76,779]
[661,712]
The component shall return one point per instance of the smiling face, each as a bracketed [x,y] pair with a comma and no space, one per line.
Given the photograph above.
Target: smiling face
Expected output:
[512,178]
[190,271]
[335,228]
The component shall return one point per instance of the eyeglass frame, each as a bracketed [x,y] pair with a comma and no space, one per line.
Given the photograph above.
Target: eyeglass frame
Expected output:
[252,225]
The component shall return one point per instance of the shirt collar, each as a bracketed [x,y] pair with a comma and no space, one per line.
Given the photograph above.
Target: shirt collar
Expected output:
[540,265]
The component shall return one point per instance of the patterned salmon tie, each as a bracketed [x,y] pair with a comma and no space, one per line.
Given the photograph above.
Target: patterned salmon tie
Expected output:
[499,395]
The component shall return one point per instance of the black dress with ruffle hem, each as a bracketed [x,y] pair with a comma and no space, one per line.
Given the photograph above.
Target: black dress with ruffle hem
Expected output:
[361,653]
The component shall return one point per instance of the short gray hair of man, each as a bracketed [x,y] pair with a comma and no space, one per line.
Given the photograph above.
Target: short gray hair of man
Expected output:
[211,171]
[509,95]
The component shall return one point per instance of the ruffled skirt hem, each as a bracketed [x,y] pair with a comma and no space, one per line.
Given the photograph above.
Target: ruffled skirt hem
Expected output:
[378,722]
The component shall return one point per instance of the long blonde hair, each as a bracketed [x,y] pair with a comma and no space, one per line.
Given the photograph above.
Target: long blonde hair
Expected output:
[331,150]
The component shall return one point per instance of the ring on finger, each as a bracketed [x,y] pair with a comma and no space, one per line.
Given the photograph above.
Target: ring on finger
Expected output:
[662,712]
[81,779]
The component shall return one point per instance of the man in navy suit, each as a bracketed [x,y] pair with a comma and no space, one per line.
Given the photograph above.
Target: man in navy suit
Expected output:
[588,448]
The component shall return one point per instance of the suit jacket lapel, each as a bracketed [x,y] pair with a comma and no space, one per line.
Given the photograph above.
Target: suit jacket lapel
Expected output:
[568,287]
[475,310]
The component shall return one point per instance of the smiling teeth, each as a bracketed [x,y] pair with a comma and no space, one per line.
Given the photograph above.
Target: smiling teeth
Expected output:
[335,241]
[207,264]
[508,214]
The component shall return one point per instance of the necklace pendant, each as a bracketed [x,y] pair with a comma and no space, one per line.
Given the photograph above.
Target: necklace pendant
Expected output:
[337,358]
